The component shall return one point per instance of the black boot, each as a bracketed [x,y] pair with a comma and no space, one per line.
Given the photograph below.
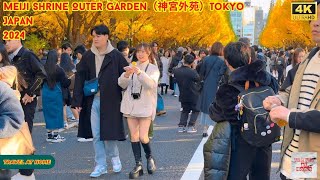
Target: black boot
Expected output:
[151,166]
[137,170]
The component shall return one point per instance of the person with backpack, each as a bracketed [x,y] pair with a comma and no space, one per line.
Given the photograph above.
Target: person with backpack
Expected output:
[298,105]
[228,153]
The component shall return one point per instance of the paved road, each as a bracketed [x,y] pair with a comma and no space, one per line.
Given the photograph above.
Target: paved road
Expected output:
[172,151]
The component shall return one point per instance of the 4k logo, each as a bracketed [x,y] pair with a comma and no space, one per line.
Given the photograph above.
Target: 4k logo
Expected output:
[304,11]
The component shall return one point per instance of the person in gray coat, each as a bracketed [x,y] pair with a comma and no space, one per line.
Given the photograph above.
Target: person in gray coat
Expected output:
[211,72]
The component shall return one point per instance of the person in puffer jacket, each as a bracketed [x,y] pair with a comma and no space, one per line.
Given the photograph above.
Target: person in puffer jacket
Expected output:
[227,156]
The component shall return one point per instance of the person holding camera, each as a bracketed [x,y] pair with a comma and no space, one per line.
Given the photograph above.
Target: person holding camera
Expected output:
[139,102]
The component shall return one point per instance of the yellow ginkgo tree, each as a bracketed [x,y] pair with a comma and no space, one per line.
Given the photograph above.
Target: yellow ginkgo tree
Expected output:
[280,31]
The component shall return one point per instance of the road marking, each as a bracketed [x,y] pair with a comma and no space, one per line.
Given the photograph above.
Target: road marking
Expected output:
[195,166]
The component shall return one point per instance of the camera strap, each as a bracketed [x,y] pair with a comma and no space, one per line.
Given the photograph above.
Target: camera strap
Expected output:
[137,75]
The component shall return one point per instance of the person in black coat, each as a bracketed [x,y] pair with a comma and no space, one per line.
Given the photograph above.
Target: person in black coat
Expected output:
[100,114]
[174,64]
[32,71]
[188,80]
[227,158]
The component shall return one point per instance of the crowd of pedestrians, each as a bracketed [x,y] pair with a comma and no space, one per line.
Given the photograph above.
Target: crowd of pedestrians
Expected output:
[112,94]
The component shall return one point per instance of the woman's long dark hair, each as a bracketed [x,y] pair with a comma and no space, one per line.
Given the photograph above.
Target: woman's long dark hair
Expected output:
[5,58]
[51,68]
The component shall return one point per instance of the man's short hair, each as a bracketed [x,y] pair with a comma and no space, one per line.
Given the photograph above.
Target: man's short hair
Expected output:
[259,50]
[100,30]
[188,59]
[122,45]
[80,49]
[237,54]
[203,51]
[66,46]
[132,50]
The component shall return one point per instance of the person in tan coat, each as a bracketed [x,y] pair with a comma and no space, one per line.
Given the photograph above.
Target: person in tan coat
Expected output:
[139,102]
[298,106]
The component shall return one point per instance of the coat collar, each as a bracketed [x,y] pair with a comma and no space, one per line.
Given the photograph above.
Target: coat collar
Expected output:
[294,97]
[107,51]
[254,72]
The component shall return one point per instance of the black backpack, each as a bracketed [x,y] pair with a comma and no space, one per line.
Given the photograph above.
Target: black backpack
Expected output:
[257,129]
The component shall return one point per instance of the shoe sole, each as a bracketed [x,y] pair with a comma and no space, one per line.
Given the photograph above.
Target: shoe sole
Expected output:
[161,113]
[151,171]
[191,132]
[117,171]
[58,141]
[85,141]
[105,172]
[136,176]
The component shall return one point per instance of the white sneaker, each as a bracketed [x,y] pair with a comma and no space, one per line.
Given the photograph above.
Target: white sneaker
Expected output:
[72,120]
[116,164]
[85,139]
[56,139]
[22,177]
[191,129]
[98,171]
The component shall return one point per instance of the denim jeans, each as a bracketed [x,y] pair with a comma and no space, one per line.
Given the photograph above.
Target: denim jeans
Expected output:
[176,89]
[101,148]
[69,113]
[160,103]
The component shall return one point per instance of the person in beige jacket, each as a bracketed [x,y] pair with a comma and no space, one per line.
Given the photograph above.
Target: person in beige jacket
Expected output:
[139,102]
[298,106]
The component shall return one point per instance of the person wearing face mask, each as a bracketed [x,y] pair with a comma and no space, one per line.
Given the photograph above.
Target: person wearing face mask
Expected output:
[140,82]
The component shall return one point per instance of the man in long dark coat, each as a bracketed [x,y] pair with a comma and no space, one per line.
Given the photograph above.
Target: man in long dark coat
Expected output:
[101,111]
